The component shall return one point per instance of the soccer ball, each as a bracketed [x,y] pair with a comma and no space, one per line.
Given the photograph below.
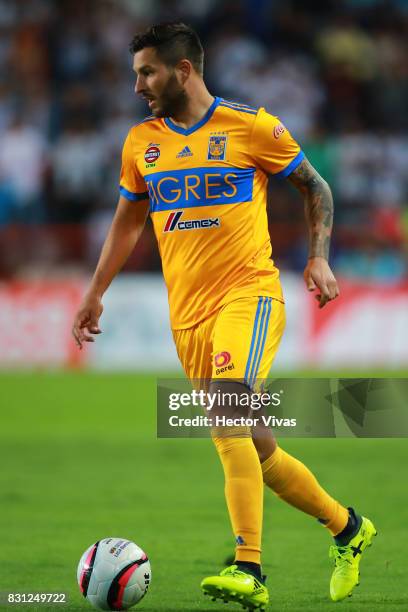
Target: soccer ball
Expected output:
[114,574]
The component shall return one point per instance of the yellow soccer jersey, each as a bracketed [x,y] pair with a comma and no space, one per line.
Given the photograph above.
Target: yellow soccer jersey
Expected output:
[207,190]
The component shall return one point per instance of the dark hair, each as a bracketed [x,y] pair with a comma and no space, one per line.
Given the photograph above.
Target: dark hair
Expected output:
[173,41]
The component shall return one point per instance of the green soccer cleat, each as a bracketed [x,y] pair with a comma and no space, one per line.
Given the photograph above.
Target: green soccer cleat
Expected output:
[234,585]
[347,559]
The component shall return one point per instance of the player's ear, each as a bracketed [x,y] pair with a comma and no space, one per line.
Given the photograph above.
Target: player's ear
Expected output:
[184,69]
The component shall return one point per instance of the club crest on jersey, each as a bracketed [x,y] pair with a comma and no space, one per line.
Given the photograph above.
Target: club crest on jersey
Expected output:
[173,223]
[217,147]
[152,154]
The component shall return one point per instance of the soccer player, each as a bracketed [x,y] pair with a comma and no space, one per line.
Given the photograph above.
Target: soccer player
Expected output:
[199,165]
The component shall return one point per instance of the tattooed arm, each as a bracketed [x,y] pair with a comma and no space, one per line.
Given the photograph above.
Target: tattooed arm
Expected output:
[319,217]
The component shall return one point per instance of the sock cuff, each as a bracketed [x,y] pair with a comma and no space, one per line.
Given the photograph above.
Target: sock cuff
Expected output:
[248,554]
[239,432]
[273,461]
[339,520]
[224,444]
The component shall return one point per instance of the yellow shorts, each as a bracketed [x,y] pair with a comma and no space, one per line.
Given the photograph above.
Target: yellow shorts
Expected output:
[238,342]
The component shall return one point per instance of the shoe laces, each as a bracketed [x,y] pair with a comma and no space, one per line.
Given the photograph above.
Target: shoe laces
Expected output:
[232,570]
[342,555]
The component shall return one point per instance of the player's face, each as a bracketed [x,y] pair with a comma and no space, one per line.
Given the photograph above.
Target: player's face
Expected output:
[158,84]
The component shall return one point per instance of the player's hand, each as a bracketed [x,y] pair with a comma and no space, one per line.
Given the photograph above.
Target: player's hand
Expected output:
[318,275]
[86,320]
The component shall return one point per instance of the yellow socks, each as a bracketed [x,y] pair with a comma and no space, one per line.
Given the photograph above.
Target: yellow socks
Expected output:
[286,476]
[243,492]
[294,483]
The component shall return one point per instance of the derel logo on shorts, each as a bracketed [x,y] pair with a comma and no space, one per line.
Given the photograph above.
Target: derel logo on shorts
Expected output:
[278,130]
[152,154]
[222,362]
[222,359]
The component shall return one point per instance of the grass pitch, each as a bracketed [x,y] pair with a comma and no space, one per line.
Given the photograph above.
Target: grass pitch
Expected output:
[80,461]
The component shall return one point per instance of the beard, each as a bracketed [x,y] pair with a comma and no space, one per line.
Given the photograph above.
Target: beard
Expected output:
[172,100]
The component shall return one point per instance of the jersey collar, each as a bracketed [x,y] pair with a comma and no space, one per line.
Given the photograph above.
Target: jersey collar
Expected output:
[196,126]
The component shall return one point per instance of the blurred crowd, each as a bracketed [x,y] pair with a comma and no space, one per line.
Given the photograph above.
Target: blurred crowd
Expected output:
[335,72]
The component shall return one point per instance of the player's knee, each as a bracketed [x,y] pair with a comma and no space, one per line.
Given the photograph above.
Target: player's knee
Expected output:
[230,398]
[265,444]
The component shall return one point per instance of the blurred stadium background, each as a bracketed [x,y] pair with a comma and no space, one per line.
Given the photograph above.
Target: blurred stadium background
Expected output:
[336,72]
[78,444]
